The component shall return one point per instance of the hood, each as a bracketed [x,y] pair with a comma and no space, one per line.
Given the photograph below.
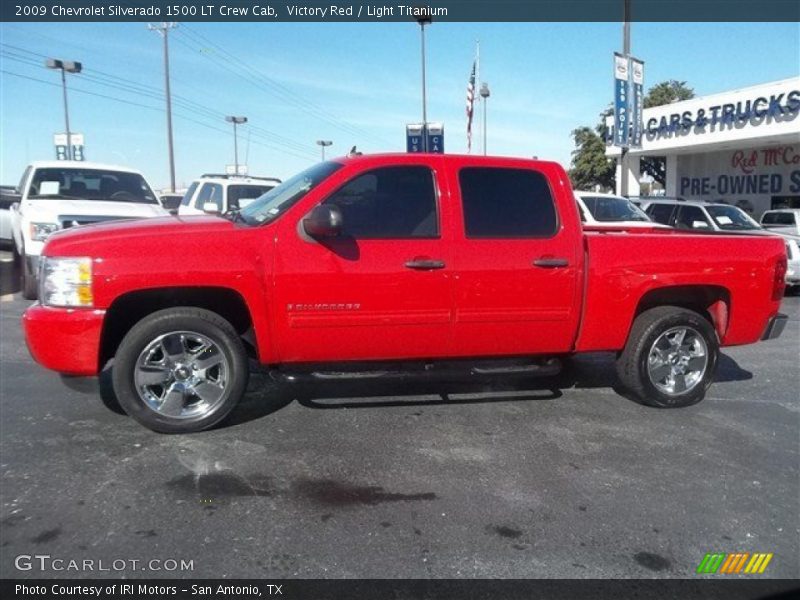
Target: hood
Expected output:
[143,235]
[53,209]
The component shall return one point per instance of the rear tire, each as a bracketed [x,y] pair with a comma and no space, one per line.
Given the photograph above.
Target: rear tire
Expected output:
[180,370]
[670,357]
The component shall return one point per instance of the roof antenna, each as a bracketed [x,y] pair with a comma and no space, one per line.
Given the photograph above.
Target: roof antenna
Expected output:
[354,152]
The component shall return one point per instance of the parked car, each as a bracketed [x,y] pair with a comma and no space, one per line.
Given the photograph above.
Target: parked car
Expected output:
[223,193]
[395,265]
[782,220]
[608,210]
[57,195]
[699,215]
[793,266]
[8,196]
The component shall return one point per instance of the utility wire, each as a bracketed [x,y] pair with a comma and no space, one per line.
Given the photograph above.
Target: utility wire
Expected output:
[273,87]
[114,81]
[257,141]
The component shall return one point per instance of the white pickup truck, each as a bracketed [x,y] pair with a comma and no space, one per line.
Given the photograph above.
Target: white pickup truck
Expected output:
[56,195]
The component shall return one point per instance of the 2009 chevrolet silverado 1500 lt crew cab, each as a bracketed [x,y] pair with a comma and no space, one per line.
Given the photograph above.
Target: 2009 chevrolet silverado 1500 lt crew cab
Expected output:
[386,264]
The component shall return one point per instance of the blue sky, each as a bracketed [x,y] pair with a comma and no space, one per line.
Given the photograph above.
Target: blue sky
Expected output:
[353,83]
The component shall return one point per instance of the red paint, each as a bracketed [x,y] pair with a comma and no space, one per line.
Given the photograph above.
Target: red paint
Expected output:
[313,302]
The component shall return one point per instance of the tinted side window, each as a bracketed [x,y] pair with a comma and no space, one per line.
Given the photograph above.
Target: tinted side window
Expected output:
[187,197]
[393,202]
[210,192]
[660,213]
[778,219]
[691,217]
[506,203]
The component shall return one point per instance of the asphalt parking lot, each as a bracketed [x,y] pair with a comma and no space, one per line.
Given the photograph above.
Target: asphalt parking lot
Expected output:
[425,480]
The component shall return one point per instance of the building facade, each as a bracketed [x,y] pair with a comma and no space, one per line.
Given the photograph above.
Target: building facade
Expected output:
[740,147]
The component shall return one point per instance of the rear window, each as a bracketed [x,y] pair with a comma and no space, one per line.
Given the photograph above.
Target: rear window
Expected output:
[777,218]
[506,203]
[608,209]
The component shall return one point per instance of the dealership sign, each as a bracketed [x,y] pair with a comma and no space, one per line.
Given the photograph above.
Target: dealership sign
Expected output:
[754,111]
[754,172]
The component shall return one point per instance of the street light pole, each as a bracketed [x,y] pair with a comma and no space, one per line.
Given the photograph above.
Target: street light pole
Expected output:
[65,66]
[163,29]
[424,18]
[236,121]
[626,51]
[485,95]
[323,144]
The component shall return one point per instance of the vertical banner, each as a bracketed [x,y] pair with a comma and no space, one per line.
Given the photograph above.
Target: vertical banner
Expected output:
[621,100]
[637,100]
[414,140]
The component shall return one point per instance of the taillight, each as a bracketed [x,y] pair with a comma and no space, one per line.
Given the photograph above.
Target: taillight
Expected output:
[779,284]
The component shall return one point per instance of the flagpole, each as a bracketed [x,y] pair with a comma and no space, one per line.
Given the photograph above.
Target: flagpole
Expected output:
[477,70]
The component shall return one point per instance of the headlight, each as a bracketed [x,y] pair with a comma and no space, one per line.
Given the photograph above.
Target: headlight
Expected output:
[65,281]
[40,231]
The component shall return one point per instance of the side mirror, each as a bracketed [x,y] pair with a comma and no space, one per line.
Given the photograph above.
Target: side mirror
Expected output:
[699,225]
[211,208]
[324,221]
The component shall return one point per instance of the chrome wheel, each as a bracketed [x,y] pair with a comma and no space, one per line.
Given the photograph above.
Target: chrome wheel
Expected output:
[677,361]
[182,374]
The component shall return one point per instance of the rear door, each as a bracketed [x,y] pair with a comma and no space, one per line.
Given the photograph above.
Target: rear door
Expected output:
[517,261]
[382,290]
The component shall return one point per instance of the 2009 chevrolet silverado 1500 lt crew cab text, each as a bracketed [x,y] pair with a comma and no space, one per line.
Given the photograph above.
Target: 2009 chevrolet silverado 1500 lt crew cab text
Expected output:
[395,264]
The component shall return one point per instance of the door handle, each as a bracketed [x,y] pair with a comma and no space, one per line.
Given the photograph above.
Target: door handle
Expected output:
[550,263]
[424,264]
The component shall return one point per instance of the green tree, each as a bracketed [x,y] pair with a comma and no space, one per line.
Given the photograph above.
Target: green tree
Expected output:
[590,165]
[662,93]
[667,92]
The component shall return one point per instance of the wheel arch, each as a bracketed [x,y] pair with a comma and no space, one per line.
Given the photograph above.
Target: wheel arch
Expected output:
[128,309]
[711,301]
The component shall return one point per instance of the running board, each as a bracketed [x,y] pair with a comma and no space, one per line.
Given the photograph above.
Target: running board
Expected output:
[546,367]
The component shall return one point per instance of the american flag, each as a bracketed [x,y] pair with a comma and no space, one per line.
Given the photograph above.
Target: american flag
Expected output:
[470,105]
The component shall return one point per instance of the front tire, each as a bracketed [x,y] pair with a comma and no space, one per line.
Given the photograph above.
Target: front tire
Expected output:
[670,357]
[180,370]
[27,280]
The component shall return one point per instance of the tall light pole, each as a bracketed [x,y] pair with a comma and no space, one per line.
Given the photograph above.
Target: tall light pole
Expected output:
[163,29]
[323,144]
[236,121]
[485,95]
[424,18]
[65,66]
[626,51]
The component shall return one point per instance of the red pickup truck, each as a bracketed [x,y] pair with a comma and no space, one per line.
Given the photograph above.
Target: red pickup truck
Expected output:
[395,265]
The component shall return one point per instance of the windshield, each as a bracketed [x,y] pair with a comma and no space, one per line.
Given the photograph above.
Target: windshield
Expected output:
[268,206]
[90,184]
[731,218]
[611,209]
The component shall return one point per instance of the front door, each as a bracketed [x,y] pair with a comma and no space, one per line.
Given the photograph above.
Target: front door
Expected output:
[516,264]
[381,290]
